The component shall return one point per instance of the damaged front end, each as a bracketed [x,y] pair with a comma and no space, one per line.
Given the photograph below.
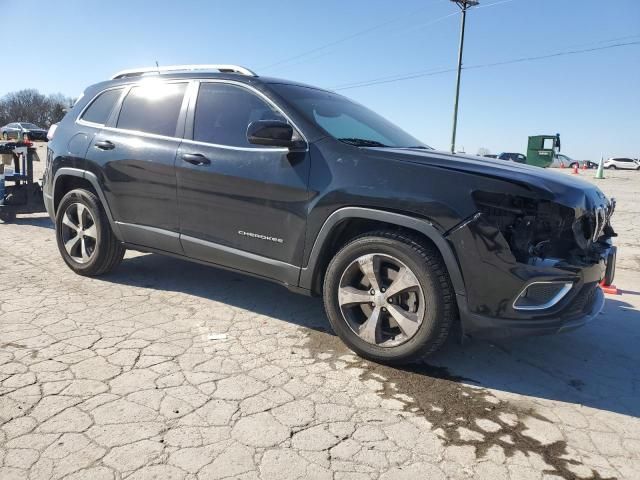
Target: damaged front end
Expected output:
[533,265]
[538,230]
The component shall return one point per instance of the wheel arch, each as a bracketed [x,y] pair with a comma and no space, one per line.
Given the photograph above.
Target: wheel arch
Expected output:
[339,227]
[67,179]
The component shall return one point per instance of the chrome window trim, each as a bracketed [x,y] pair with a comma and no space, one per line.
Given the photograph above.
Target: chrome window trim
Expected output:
[196,88]
[141,134]
[244,149]
[551,303]
[263,97]
[79,119]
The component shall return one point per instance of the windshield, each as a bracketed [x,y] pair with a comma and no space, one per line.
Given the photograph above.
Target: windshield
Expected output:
[345,120]
[29,125]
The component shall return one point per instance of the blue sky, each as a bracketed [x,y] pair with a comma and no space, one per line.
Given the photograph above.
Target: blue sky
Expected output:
[592,99]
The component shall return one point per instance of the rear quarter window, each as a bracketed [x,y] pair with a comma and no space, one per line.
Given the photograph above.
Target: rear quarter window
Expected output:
[100,109]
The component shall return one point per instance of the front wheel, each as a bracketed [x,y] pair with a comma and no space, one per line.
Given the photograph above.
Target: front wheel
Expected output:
[389,298]
[5,136]
[84,236]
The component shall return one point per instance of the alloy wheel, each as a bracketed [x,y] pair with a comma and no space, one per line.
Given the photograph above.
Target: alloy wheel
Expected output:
[381,300]
[79,233]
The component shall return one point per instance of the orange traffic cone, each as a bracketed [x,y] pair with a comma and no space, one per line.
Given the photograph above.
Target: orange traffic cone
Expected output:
[584,166]
[610,289]
[561,165]
[575,169]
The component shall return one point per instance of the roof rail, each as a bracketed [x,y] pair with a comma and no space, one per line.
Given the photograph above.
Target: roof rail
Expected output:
[138,72]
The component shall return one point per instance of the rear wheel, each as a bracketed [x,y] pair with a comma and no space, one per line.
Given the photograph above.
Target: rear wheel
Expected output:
[389,298]
[84,236]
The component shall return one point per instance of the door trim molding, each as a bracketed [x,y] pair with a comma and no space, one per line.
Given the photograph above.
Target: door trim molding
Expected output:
[240,260]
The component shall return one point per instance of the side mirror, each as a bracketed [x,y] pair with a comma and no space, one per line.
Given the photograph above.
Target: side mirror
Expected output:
[273,133]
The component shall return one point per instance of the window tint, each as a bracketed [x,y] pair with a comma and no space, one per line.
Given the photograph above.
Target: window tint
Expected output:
[100,108]
[152,108]
[223,113]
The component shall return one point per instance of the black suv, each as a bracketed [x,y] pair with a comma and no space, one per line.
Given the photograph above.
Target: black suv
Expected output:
[306,188]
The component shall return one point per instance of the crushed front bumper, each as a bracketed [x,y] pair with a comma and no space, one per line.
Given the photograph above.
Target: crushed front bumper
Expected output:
[587,307]
[494,279]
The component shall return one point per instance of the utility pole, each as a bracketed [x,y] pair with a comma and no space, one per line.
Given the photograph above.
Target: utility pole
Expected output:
[464,6]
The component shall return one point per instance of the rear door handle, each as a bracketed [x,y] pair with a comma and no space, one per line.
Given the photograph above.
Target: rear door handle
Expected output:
[105,145]
[195,159]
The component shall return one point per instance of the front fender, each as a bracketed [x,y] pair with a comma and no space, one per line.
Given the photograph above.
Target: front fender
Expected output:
[308,272]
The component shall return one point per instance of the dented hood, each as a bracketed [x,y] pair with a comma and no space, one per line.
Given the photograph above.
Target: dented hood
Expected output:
[549,184]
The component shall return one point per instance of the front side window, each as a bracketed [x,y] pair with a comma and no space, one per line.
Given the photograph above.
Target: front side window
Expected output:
[100,109]
[224,111]
[29,126]
[152,107]
[345,120]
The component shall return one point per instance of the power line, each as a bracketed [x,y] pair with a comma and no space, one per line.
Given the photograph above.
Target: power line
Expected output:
[429,73]
[344,39]
[415,27]
[301,56]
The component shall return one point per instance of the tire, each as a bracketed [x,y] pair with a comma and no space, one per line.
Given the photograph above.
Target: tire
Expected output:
[94,252]
[612,167]
[5,136]
[430,302]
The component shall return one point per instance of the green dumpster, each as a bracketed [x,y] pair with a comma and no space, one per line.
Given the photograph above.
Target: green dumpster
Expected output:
[542,149]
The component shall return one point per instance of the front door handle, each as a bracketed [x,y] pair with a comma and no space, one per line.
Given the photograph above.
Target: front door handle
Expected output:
[105,145]
[195,159]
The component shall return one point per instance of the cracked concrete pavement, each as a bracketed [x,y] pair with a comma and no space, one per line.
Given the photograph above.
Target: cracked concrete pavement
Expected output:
[172,370]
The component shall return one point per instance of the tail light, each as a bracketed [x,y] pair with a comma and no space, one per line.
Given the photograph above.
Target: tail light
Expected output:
[52,130]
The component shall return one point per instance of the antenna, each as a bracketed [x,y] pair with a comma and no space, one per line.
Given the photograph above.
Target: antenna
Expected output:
[158,67]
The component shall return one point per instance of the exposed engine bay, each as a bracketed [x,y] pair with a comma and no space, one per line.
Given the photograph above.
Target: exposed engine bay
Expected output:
[541,229]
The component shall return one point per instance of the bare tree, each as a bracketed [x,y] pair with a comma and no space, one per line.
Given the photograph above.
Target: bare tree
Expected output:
[29,105]
[482,151]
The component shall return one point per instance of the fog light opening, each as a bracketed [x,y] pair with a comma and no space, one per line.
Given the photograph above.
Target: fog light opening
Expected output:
[541,295]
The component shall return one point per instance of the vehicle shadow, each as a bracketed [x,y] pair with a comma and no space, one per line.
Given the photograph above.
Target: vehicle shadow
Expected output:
[595,366]
[42,221]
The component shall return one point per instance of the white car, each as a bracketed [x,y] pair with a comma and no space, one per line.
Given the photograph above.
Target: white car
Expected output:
[622,163]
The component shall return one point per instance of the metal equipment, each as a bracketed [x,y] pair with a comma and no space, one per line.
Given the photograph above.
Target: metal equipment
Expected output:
[19,194]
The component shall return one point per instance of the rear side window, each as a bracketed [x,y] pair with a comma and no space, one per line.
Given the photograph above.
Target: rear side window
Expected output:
[100,109]
[223,113]
[153,108]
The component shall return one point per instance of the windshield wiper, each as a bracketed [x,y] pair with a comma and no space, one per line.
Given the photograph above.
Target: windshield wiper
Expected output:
[418,147]
[362,142]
